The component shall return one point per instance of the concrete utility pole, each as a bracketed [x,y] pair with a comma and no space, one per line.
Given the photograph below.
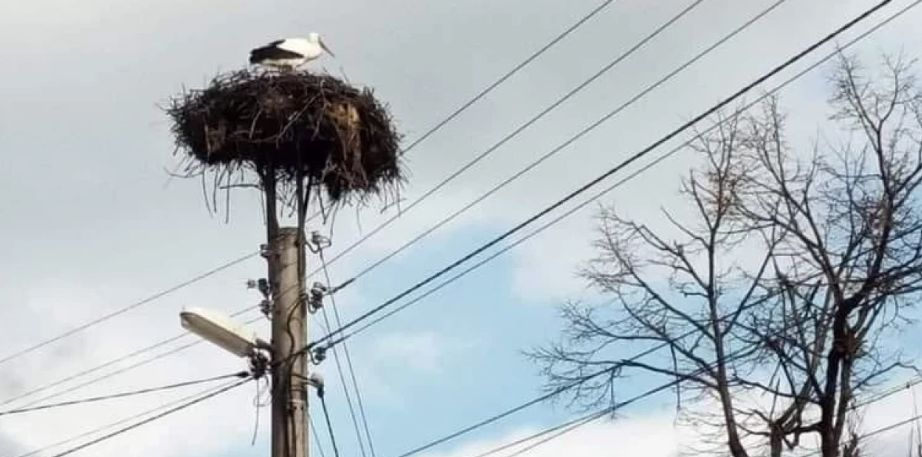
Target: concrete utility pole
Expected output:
[289,332]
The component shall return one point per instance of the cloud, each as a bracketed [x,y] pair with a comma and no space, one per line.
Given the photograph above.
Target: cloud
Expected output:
[9,446]
[546,269]
[423,351]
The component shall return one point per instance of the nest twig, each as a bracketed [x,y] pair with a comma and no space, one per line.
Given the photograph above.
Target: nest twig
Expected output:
[295,127]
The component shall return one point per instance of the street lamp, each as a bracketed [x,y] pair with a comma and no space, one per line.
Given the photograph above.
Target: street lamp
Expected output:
[221,330]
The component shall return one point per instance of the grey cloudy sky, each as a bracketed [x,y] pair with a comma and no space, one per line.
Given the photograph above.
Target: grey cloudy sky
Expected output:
[91,222]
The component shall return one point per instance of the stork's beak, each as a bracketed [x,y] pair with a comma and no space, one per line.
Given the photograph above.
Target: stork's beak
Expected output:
[325,48]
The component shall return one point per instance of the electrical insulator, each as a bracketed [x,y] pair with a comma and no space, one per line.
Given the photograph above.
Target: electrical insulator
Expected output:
[315,300]
[318,355]
[319,240]
[265,307]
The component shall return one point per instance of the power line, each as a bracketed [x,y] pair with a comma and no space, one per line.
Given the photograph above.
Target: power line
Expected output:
[343,383]
[495,417]
[416,142]
[892,391]
[108,363]
[591,184]
[884,3]
[419,140]
[112,373]
[485,91]
[580,421]
[548,431]
[355,383]
[93,369]
[150,419]
[570,141]
[823,60]
[508,137]
[888,427]
[559,390]
[431,131]
[556,431]
[241,374]
[878,431]
[813,66]
[207,392]
[310,420]
[198,278]
[590,417]
[541,159]
[509,74]
[620,182]
[624,180]
[326,417]
[125,309]
[562,389]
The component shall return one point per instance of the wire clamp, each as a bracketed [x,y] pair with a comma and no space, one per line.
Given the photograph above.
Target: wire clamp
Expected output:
[320,241]
[266,307]
[259,365]
[315,380]
[318,355]
[315,298]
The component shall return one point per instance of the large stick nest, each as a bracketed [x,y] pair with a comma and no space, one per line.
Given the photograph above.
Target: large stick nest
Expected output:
[295,125]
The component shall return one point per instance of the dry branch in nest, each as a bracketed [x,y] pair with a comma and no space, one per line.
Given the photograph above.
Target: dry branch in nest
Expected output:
[290,127]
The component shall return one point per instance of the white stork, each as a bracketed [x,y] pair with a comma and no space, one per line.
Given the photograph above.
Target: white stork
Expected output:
[290,53]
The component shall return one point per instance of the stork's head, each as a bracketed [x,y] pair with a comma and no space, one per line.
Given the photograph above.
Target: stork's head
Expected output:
[314,37]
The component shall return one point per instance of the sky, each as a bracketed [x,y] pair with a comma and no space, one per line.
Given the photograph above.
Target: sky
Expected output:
[94,222]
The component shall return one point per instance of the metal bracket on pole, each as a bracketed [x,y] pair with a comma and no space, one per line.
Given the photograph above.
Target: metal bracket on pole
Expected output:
[262,284]
[265,251]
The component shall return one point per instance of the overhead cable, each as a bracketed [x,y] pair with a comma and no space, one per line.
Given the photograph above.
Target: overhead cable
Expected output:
[601,178]
[125,309]
[131,393]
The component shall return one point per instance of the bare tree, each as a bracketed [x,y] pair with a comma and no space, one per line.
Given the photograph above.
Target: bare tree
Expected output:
[771,296]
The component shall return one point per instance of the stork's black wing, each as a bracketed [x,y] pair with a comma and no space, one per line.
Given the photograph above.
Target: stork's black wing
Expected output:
[271,51]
